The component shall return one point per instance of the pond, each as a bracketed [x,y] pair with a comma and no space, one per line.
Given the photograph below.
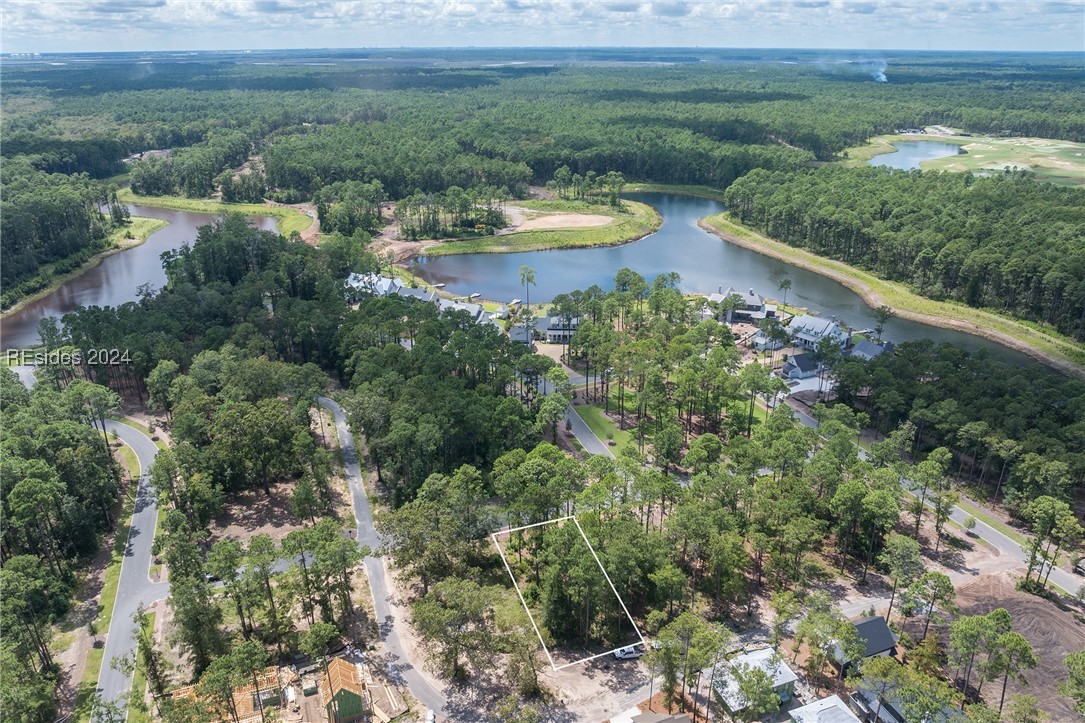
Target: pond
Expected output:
[115,280]
[910,154]
[705,262]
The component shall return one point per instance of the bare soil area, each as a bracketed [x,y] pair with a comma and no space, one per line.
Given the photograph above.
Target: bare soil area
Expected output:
[253,512]
[565,220]
[1053,632]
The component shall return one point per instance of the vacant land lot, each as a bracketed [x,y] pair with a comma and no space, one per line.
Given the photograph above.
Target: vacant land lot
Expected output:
[1054,633]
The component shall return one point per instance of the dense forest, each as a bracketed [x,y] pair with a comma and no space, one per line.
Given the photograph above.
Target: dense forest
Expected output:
[428,129]
[1004,242]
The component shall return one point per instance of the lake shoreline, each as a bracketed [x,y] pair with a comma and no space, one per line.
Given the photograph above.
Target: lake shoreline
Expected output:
[155,225]
[287,218]
[644,221]
[852,278]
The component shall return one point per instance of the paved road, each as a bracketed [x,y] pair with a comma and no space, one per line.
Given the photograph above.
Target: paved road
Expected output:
[400,668]
[135,586]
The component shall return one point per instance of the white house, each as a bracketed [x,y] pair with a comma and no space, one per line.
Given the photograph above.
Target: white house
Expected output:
[808,330]
[826,710]
[751,309]
[767,659]
[372,284]
[560,329]
[475,311]
[799,366]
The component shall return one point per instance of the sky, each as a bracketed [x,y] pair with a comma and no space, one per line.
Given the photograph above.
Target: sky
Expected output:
[140,25]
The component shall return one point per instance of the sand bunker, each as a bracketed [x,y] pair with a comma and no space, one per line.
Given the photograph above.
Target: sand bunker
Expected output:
[565,220]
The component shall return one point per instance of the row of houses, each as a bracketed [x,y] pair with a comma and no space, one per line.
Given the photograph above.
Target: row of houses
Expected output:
[348,692]
[867,703]
[359,285]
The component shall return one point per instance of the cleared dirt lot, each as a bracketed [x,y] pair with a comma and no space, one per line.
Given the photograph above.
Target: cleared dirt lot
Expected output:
[566,220]
[1053,632]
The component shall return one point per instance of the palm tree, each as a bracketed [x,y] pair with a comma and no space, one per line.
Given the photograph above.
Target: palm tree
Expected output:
[783,286]
[527,280]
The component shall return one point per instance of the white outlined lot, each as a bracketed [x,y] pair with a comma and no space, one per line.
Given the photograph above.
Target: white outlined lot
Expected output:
[530,617]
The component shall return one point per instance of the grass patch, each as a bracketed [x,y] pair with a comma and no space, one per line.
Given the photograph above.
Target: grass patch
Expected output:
[88,685]
[637,221]
[983,516]
[136,713]
[710,192]
[288,220]
[141,427]
[602,425]
[1047,345]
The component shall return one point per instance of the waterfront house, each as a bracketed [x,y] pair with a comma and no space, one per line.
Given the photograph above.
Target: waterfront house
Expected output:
[371,283]
[866,349]
[560,329]
[808,330]
[767,659]
[521,334]
[749,307]
[826,710]
[799,366]
[474,311]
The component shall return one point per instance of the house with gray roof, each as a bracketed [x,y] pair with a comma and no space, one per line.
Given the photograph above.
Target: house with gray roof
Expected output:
[807,331]
[751,307]
[866,349]
[826,710]
[766,659]
[799,366]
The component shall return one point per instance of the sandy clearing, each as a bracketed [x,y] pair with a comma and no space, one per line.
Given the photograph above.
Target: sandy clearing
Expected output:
[566,220]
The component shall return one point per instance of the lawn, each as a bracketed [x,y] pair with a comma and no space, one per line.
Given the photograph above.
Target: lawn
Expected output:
[637,221]
[288,220]
[139,681]
[710,192]
[602,425]
[1045,344]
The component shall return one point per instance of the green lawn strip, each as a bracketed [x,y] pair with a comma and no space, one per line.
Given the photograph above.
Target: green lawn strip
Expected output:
[602,426]
[288,220]
[89,684]
[136,714]
[1052,347]
[640,221]
[984,516]
[710,192]
[141,427]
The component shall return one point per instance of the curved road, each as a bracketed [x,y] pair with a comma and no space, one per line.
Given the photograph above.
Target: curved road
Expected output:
[399,667]
[134,587]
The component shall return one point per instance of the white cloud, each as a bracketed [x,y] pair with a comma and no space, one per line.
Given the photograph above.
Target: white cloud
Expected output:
[98,25]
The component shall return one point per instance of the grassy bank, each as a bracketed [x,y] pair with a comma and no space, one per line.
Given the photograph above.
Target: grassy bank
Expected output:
[716,194]
[1051,160]
[287,220]
[637,221]
[50,278]
[136,713]
[603,427]
[1047,346]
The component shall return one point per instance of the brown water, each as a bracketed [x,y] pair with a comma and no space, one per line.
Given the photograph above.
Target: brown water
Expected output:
[116,280]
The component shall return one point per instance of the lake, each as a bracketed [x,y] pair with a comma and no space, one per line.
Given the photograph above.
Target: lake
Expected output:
[705,262]
[115,280]
[910,154]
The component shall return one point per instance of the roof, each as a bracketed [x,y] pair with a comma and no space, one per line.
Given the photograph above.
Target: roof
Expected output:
[422,294]
[520,334]
[341,676]
[867,349]
[473,310]
[892,708]
[803,362]
[875,634]
[813,325]
[767,660]
[246,704]
[826,710]
[562,323]
[374,283]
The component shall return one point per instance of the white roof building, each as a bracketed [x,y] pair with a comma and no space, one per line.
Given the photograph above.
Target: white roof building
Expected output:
[374,284]
[809,330]
[826,710]
[768,660]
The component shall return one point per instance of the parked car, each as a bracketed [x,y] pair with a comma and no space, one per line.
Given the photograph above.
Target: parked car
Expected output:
[629,651]
[431,717]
